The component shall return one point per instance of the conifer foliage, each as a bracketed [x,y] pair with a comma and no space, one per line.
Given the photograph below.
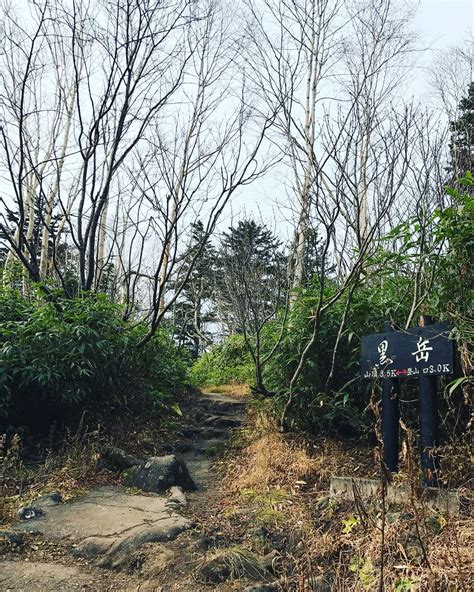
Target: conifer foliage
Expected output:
[462,137]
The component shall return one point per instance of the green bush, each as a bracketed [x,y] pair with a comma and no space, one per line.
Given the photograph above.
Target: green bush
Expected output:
[226,363]
[384,293]
[320,402]
[59,360]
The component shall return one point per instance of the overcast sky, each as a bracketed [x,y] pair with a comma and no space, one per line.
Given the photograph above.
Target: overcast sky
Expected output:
[438,24]
[445,22]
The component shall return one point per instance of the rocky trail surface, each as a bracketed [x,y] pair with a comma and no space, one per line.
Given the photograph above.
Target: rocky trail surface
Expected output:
[143,535]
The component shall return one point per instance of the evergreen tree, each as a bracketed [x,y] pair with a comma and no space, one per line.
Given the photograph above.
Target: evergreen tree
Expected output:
[249,261]
[252,283]
[194,309]
[462,138]
[313,258]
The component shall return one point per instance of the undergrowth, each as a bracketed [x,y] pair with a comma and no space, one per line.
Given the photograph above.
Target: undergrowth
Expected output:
[61,358]
[70,471]
[276,495]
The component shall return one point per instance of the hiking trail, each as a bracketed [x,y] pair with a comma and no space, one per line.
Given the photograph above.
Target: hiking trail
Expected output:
[119,538]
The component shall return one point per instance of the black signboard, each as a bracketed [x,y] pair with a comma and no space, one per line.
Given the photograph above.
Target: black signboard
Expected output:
[421,351]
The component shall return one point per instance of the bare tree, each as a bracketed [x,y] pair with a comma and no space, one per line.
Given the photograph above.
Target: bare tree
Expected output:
[111,68]
[377,49]
[199,151]
[450,74]
[122,122]
[294,47]
[347,145]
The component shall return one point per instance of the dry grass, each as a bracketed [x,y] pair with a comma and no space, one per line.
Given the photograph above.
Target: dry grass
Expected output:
[234,389]
[269,458]
[272,461]
[70,461]
[426,553]
[233,562]
[276,480]
[71,471]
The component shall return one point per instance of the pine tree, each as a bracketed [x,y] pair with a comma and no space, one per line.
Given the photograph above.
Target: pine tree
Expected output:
[252,283]
[250,259]
[462,138]
[194,309]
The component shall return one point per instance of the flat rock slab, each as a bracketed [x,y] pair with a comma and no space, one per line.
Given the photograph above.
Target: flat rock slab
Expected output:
[37,576]
[439,499]
[108,524]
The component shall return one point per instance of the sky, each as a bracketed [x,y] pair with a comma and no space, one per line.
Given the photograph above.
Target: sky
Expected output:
[438,24]
[445,22]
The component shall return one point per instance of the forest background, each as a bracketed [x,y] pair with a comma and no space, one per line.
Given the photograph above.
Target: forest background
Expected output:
[128,128]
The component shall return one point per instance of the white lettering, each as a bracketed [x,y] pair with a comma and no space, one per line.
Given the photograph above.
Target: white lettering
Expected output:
[382,349]
[422,353]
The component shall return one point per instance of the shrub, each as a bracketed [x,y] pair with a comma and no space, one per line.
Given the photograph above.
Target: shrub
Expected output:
[226,363]
[60,359]
[384,293]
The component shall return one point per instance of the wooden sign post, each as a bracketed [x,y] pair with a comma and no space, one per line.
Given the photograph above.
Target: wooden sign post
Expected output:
[423,352]
[429,421]
[390,417]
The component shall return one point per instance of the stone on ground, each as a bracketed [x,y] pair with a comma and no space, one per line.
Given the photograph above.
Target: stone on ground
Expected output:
[119,460]
[158,474]
[110,527]
[38,576]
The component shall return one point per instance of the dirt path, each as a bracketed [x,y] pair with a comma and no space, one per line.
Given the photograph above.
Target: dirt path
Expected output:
[112,539]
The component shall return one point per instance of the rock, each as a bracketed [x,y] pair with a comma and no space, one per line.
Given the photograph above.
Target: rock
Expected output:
[268,540]
[322,504]
[212,433]
[29,513]
[120,552]
[435,524]
[260,532]
[181,446]
[204,543]
[263,588]
[46,576]
[49,500]
[109,525]
[177,494]
[261,539]
[178,447]
[92,547]
[177,498]
[158,474]
[215,571]
[119,460]
[218,421]
[392,517]
[412,547]
[10,539]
